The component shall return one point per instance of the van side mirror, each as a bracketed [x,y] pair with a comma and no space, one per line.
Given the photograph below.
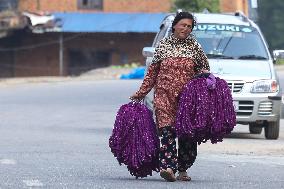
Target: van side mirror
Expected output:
[148,51]
[278,56]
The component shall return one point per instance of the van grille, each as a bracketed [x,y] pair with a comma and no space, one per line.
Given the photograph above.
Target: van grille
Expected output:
[245,108]
[265,108]
[236,86]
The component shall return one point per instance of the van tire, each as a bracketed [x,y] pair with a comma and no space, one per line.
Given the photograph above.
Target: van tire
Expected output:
[255,128]
[271,130]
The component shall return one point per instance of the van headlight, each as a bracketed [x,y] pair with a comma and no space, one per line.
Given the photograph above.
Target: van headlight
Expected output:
[265,86]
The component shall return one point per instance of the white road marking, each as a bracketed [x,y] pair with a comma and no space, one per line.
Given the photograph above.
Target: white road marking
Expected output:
[33,183]
[7,161]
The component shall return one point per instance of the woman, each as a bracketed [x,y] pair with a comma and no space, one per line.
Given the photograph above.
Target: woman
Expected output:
[176,60]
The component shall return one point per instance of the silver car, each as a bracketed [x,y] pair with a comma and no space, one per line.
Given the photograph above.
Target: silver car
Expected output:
[238,53]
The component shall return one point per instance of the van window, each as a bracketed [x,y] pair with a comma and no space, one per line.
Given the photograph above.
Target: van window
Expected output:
[231,41]
[164,32]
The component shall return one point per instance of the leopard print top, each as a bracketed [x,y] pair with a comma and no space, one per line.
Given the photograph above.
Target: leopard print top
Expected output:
[187,48]
[174,63]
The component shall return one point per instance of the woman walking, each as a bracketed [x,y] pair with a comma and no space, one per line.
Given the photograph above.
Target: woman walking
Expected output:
[177,59]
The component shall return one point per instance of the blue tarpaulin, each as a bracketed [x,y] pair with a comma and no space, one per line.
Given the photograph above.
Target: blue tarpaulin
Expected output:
[136,73]
[110,22]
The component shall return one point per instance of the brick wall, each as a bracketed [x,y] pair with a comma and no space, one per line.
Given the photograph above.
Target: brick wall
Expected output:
[137,6]
[39,61]
[48,5]
[234,5]
[6,64]
[108,5]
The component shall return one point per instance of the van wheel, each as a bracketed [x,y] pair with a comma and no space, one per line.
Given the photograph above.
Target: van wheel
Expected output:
[255,128]
[272,130]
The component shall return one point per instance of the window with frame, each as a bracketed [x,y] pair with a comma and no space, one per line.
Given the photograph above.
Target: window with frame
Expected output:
[90,4]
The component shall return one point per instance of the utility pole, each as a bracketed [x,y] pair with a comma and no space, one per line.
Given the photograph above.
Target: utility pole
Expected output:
[253,15]
[61,54]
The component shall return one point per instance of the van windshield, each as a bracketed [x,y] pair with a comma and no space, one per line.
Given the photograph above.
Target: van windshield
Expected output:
[230,41]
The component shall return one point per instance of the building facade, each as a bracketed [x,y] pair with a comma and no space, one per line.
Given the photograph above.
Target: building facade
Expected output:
[71,52]
[81,49]
[96,5]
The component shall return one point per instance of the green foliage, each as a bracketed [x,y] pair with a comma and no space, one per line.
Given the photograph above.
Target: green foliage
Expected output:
[132,65]
[196,5]
[280,61]
[271,22]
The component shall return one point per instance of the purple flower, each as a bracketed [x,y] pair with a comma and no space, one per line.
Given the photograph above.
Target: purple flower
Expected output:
[134,140]
[204,112]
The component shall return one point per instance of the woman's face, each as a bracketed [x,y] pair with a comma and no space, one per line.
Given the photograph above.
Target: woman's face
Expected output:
[183,28]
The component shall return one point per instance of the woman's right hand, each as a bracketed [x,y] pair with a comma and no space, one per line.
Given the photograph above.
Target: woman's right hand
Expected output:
[135,97]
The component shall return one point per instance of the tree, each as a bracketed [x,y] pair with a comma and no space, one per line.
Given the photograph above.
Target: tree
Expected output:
[196,5]
[271,22]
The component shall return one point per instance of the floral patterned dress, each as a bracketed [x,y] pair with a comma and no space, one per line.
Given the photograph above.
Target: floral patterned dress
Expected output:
[175,62]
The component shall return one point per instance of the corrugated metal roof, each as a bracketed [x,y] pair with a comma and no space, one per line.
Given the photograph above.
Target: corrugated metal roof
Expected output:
[110,22]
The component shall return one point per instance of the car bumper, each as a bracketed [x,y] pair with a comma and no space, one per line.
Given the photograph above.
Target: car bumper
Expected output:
[257,107]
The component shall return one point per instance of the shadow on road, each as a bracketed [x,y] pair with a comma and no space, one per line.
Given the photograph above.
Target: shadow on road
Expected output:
[147,179]
[242,135]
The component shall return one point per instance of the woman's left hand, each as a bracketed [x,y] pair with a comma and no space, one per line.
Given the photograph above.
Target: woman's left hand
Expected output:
[136,97]
[204,71]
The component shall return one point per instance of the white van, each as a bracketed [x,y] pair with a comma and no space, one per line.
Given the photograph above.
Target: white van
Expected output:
[238,53]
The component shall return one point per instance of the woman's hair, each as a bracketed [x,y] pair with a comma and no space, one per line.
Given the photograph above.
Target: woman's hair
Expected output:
[182,15]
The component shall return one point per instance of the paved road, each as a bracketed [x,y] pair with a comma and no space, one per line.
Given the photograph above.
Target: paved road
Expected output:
[55,135]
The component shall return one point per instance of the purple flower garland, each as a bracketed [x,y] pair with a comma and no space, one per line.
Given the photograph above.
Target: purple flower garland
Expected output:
[134,140]
[205,110]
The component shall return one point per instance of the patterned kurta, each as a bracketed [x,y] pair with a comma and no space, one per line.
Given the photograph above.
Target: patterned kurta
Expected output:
[175,62]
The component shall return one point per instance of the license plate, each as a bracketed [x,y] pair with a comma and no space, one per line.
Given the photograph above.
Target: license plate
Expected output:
[236,105]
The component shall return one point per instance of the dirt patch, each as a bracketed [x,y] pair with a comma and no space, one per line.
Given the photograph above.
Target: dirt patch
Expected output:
[234,147]
[240,142]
